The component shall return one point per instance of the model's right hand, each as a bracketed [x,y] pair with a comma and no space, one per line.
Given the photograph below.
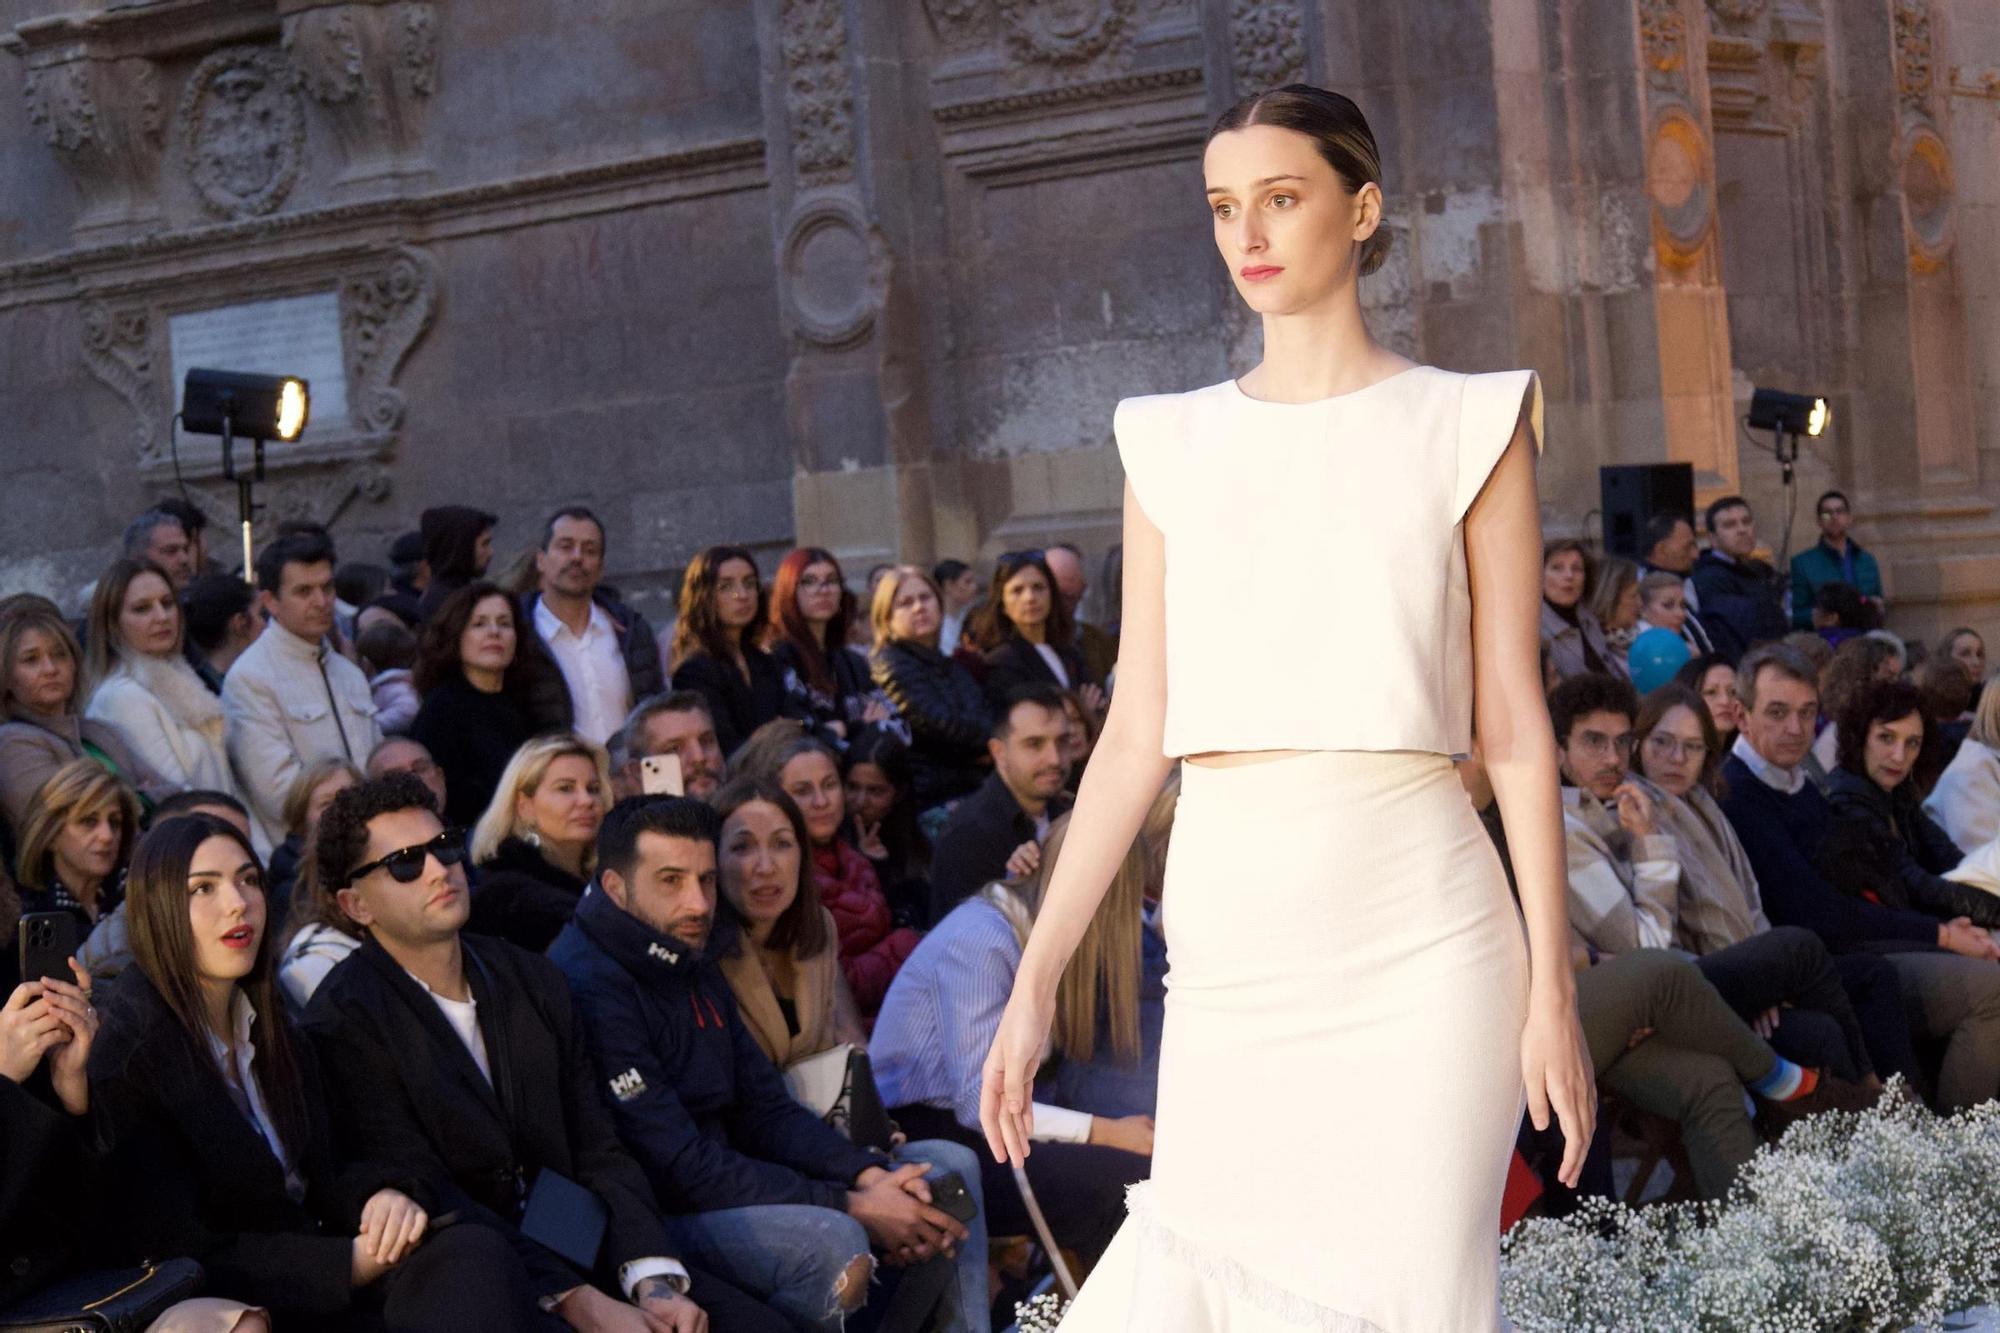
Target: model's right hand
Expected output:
[1007,1085]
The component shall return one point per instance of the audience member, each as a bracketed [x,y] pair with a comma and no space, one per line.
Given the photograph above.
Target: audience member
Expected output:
[958,592]
[768,1195]
[1025,634]
[1834,558]
[1615,603]
[1945,967]
[473,674]
[223,619]
[715,651]
[1081,729]
[142,686]
[312,791]
[1715,681]
[676,724]
[75,845]
[408,577]
[463,1065]
[1627,879]
[1857,664]
[1098,645]
[458,546]
[1569,627]
[289,700]
[40,693]
[882,821]
[1964,646]
[1741,599]
[1663,605]
[389,655]
[871,945]
[400,754]
[219,1137]
[605,653]
[161,539]
[535,842]
[1838,613]
[1813,648]
[225,807]
[1945,693]
[777,945]
[1015,804]
[194,522]
[1671,548]
[1966,800]
[938,699]
[931,1041]
[806,633]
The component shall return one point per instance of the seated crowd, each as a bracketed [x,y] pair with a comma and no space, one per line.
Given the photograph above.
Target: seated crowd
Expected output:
[456,922]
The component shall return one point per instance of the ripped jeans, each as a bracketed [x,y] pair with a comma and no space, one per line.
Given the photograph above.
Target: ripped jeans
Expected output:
[791,1255]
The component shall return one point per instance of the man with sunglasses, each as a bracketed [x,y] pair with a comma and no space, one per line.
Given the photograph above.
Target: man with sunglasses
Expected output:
[1624,890]
[460,1061]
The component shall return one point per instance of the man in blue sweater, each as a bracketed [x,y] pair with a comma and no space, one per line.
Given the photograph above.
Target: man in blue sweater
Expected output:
[1949,970]
[781,1202]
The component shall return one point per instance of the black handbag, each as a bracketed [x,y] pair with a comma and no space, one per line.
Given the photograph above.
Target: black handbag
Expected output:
[118,1300]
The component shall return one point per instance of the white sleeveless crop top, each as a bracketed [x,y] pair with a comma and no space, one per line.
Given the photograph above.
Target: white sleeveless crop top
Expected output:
[1316,593]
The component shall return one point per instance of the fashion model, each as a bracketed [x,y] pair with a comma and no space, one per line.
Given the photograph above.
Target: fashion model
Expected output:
[1332,584]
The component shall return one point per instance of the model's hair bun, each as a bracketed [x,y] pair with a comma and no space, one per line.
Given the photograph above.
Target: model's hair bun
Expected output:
[1375,250]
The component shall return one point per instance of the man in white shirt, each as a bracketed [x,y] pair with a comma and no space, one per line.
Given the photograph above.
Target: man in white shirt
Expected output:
[607,652]
[289,700]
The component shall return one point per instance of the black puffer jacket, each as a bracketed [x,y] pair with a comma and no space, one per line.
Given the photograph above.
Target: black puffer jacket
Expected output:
[1882,845]
[946,713]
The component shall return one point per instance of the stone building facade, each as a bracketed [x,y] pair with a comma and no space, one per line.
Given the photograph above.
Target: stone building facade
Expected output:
[873,273]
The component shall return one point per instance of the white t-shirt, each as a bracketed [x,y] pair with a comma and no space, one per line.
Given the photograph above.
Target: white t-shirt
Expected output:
[463,1015]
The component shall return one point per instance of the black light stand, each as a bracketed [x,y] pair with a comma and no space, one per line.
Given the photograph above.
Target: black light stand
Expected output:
[221,402]
[246,507]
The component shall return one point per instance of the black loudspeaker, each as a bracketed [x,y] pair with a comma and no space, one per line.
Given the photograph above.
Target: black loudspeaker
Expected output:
[1631,495]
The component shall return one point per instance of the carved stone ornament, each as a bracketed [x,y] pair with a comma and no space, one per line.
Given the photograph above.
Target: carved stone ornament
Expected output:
[1064,32]
[1267,44]
[819,94]
[1678,182]
[60,105]
[242,131]
[958,22]
[1663,41]
[835,269]
[103,119]
[1915,69]
[1738,14]
[373,67]
[118,352]
[383,311]
[1928,187]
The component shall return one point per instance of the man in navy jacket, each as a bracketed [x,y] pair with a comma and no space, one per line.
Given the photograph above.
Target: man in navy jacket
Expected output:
[1950,979]
[768,1193]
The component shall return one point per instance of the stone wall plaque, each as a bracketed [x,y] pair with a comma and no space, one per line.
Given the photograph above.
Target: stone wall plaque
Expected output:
[291,335]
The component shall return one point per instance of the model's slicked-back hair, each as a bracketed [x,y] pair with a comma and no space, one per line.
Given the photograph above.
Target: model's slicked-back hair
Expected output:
[1338,130]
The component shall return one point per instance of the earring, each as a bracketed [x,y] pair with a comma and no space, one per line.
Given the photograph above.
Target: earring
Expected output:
[533,837]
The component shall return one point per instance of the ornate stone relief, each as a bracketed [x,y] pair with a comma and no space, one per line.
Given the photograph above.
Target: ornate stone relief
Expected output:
[836,267]
[1915,74]
[373,67]
[819,92]
[959,21]
[1678,176]
[1928,188]
[1063,32]
[1267,44]
[242,131]
[1663,43]
[383,311]
[1737,14]
[60,106]
[118,352]
[103,118]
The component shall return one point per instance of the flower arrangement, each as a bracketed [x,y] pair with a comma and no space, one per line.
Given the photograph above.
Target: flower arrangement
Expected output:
[1039,1314]
[1852,1223]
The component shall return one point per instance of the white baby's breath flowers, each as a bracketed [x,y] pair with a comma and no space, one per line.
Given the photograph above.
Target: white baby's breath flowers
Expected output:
[1853,1223]
[1039,1314]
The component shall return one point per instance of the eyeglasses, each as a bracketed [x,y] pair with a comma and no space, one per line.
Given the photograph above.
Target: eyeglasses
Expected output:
[818,585]
[1674,747]
[405,864]
[1596,742]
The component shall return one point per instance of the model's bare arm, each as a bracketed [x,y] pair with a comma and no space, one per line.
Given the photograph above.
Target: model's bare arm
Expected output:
[1503,548]
[1125,774]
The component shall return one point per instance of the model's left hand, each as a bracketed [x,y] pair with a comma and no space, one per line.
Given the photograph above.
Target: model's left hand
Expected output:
[1555,1065]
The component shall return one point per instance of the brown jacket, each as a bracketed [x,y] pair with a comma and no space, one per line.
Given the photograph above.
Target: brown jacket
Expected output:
[819,1001]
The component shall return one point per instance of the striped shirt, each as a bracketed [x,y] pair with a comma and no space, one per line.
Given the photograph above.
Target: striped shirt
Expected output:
[940,1016]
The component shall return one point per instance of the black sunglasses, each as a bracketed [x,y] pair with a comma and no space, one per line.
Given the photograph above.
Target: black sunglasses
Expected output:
[1015,559]
[405,864]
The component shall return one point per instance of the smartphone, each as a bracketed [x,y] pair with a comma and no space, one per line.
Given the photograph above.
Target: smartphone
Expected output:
[949,1196]
[48,940]
[660,775]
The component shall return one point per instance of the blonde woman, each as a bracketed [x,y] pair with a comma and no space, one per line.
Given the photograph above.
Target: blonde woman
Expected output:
[934,696]
[1966,800]
[75,844]
[536,844]
[141,684]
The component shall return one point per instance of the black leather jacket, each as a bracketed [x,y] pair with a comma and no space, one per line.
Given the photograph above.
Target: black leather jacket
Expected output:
[1882,844]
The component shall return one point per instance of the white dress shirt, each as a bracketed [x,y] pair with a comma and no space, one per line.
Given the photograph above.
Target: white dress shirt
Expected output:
[233,1060]
[600,691]
[1786,780]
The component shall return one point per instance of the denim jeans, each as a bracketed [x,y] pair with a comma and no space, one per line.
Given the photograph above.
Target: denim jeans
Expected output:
[791,1254]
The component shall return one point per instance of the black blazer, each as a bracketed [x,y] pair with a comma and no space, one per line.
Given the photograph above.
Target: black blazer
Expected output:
[972,851]
[403,1088]
[738,706]
[188,1173]
[1016,662]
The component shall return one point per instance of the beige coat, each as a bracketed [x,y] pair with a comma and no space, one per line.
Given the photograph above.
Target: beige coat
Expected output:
[819,1001]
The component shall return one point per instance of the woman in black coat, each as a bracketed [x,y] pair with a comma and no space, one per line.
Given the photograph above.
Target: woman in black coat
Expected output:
[475,675]
[1027,635]
[1881,841]
[715,650]
[806,630]
[934,696]
[218,1143]
[536,845]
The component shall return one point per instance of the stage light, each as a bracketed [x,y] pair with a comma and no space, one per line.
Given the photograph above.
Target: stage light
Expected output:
[234,402]
[1790,413]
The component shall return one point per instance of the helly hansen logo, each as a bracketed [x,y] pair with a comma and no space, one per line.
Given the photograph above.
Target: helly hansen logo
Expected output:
[627,1085]
[662,952]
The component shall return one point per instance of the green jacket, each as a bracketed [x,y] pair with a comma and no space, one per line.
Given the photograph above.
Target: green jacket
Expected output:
[1818,565]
